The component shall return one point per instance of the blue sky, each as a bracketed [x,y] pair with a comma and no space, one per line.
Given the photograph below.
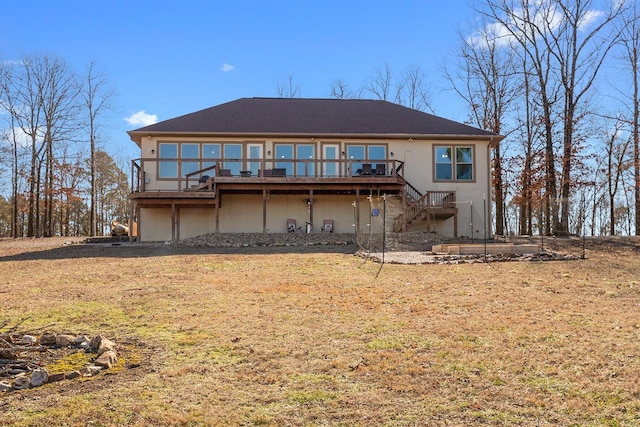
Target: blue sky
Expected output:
[168,58]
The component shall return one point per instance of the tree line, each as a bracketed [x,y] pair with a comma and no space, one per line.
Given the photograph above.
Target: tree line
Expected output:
[559,79]
[61,182]
[537,71]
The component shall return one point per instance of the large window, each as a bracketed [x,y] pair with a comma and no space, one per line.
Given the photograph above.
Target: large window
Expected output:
[284,154]
[212,152]
[233,156]
[453,163]
[187,157]
[189,151]
[168,169]
[367,153]
[306,160]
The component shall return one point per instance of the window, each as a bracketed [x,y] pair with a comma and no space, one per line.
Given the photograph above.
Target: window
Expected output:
[377,152]
[357,153]
[233,152]
[306,164]
[210,151]
[189,151]
[284,152]
[168,169]
[453,163]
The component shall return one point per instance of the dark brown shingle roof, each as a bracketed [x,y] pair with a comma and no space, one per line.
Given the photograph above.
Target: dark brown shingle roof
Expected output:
[301,116]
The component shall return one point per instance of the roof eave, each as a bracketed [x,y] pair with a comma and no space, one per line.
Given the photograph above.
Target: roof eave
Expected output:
[136,136]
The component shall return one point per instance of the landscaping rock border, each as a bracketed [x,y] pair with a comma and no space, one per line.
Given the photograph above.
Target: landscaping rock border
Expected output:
[19,371]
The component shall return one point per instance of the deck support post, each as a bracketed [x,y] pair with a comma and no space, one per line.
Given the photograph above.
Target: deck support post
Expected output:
[310,211]
[130,222]
[357,230]
[217,210]
[264,210]
[173,221]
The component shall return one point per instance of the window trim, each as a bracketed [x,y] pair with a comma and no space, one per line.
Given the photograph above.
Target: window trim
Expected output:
[454,163]
[202,159]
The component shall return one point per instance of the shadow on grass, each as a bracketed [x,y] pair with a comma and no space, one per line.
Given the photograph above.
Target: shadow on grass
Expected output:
[143,250]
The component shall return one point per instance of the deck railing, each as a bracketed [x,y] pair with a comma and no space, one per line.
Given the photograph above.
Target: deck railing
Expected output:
[430,200]
[186,172]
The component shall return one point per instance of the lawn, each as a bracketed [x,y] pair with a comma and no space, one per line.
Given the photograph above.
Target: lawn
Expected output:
[261,338]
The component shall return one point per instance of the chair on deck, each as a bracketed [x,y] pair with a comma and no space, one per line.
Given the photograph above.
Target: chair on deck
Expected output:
[366,169]
[381,169]
[327,226]
[224,172]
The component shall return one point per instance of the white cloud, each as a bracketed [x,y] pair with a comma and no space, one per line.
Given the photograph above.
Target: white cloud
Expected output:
[141,119]
[589,17]
[11,62]
[227,67]
[22,139]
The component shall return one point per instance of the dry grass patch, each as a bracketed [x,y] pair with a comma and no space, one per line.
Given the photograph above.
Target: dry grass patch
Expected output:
[316,339]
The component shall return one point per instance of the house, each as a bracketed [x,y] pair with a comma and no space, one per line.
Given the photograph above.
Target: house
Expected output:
[265,164]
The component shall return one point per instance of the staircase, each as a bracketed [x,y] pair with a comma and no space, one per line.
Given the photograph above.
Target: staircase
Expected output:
[418,206]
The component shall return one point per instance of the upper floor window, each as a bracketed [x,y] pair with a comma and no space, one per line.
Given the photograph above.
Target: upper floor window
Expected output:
[187,157]
[453,163]
[370,152]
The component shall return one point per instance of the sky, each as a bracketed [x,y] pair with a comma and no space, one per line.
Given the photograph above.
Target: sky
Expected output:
[169,58]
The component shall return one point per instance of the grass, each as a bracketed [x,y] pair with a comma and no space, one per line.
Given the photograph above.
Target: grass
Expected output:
[317,339]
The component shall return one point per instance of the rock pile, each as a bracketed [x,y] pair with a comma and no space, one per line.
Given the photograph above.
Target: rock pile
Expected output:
[246,240]
[22,368]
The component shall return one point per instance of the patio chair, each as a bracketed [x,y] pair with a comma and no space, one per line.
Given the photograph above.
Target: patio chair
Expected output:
[366,169]
[381,169]
[292,226]
[327,226]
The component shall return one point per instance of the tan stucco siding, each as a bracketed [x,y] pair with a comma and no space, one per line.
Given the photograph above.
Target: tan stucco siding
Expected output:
[155,224]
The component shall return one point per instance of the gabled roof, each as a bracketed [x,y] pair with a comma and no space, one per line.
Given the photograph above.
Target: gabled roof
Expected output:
[310,117]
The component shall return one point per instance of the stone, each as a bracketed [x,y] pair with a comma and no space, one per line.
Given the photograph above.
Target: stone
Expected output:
[90,370]
[101,344]
[55,378]
[95,342]
[7,354]
[107,359]
[106,345]
[64,340]
[48,339]
[39,376]
[5,386]
[28,340]
[21,382]
[72,375]
[82,341]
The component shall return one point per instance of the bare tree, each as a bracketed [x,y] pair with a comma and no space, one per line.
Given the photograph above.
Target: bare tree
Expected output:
[60,109]
[289,89]
[41,99]
[410,89]
[414,91]
[380,83]
[96,96]
[629,29]
[487,80]
[616,152]
[566,42]
[7,104]
[340,90]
